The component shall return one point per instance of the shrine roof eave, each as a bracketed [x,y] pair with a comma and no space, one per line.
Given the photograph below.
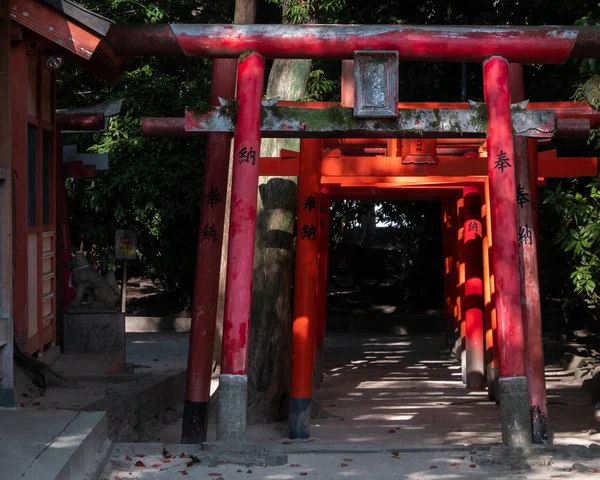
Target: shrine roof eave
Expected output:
[73,32]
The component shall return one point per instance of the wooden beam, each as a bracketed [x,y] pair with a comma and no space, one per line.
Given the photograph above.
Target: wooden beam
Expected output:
[54,26]
[550,166]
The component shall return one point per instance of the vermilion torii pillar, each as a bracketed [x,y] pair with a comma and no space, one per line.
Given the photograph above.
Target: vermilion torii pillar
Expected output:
[512,386]
[233,381]
[526,195]
[489,299]
[208,264]
[305,287]
[473,289]
[324,226]
[459,305]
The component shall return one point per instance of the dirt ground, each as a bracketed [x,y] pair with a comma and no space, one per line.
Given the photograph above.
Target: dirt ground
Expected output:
[404,390]
[468,464]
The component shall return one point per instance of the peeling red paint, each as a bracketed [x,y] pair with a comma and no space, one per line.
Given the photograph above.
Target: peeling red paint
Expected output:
[504,218]
[552,45]
[240,261]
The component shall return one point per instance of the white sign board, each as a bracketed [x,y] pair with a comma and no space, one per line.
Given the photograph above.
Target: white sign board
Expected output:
[126,245]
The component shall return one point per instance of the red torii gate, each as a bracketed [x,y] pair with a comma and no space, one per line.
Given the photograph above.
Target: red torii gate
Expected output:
[385,178]
[495,46]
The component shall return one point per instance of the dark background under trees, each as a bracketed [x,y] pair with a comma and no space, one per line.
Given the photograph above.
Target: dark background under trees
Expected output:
[154,185]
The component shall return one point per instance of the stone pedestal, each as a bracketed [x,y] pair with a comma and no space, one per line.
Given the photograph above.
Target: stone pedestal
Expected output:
[99,334]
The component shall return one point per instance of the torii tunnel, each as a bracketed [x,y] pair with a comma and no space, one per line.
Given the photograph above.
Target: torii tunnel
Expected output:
[479,157]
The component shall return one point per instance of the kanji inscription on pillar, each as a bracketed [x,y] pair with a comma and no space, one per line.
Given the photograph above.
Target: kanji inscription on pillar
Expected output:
[247,155]
[525,235]
[209,232]
[309,232]
[213,196]
[502,161]
[473,226]
[523,196]
[310,203]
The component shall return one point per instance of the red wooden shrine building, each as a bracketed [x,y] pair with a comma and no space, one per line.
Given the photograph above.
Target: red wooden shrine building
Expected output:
[37,37]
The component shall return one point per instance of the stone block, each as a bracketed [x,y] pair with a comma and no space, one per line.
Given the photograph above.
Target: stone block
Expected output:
[99,334]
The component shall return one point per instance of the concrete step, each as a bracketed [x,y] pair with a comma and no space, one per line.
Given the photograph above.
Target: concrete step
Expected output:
[53,445]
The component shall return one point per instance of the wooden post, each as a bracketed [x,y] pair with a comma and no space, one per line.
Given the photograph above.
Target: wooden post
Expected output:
[7,391]
[512,386]
[529,278]
[488,297]
[208,264]
[473,289]
[233,383]
[459,267]
[448,252]
[324,224]
[305,285]
[124,288]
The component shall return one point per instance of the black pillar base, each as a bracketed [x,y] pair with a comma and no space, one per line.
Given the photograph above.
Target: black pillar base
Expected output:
[195,422]
[299,421]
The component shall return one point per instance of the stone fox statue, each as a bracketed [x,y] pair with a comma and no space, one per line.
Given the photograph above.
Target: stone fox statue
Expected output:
[103,290]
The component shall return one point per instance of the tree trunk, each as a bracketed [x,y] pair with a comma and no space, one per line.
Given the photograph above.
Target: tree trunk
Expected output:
[272,306]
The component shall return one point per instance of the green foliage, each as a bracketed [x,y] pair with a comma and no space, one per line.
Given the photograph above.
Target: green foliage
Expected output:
[153,185]
[320,87]
[307,11]
[577,205]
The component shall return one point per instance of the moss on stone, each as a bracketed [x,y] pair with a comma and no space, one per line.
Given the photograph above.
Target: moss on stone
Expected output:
[589,92]
[230,109]
[480,116]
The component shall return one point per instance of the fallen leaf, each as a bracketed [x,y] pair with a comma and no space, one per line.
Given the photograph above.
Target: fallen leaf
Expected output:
[462,457]
[139,463]
[35,404]
[140,455]
[295,465]
[189,464]
[347,459]
[168,456]
[395,453]
[183,472]
[456,464]
[593,470]
[25,395]
[166,460]
[391,430]
[473,452]
[155,359]
[127,457]
[331,405]
[248,471]
[42,394]
[343,464]
[155,465]
[163,470]
[432,467]
[183,455]
[472,466]
[286,442]
[117,477]
[303,474]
